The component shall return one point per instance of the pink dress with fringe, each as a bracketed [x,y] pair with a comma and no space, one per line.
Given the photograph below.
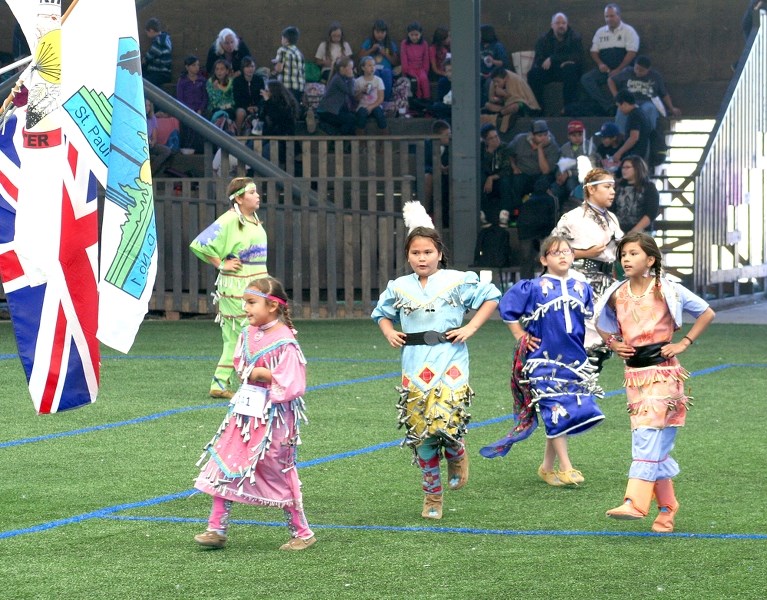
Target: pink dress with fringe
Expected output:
[655,394]
[251,459]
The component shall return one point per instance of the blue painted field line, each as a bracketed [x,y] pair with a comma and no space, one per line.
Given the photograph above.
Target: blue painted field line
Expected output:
[110,511]
[322,386]
[174,411]
[96,514]
[461,530]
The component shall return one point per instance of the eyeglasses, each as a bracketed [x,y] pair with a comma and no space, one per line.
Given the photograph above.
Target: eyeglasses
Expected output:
[565,252]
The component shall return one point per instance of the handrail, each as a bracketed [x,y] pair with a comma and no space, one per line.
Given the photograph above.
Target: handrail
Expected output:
[210,132]
[728,94]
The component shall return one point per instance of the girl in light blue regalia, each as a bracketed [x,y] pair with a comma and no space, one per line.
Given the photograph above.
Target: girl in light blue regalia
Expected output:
[429,305]
[551,374]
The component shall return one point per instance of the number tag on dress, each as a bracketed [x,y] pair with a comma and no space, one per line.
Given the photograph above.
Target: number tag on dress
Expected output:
[251,400]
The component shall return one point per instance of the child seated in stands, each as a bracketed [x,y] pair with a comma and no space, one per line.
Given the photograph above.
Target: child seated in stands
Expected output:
[439,53]
[221,96]
[191,91]
[369,92]
[414,53]
[333,48]
[335,108]
[384,53]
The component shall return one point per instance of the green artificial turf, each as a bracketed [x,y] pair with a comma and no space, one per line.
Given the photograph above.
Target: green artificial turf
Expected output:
[96,503]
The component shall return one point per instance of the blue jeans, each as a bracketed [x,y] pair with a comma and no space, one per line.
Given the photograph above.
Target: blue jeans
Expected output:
[595,84]
[648,108]
[362,115]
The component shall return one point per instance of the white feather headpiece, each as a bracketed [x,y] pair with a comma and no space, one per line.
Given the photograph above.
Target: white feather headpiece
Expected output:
[584,166]
[415,215]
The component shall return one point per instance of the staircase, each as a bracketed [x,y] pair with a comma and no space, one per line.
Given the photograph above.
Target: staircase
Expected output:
[675,179]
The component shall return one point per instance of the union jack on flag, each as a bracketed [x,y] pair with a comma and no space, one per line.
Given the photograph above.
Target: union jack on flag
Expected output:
[82,124]
[55,322]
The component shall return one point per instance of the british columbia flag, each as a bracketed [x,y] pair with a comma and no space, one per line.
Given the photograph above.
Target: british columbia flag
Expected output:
[83,123]
[54,321]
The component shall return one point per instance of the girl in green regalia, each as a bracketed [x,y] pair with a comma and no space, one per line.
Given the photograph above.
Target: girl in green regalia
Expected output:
[236,245]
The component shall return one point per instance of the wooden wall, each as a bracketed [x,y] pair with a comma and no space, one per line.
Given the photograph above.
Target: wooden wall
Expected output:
[692,42]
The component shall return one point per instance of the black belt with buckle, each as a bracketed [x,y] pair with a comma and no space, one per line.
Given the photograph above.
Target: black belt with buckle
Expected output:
[646,356]
[426,338]
[589,264]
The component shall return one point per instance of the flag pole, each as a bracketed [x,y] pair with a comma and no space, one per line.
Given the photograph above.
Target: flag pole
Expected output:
[19,83]
[69,10]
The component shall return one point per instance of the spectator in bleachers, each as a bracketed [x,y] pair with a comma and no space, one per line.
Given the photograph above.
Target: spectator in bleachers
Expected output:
[332,48]
[289,63]
[558,57]
[533,157]
[648,88]
[191,91]
[492,54]
[637,200]
[385,53]
[439,52]
[608,139]
[280,112]
[230,47]
[335,108]
[442,129]
[221,96]
[247,95]
[159,154]
[509,96]
[566,180]
[637,129]
[158,60]
[613,48]
[537,217]
[414,54]
[496,176]
[369,93]
[442,107]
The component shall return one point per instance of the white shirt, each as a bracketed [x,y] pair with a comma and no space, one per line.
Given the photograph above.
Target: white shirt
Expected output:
[623,36]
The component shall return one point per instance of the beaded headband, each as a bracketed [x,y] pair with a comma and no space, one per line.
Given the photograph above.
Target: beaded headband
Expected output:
[251,187]
[252,292]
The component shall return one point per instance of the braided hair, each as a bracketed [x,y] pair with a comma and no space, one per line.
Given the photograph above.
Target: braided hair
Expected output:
[592,177]
[650,248]
[273,287]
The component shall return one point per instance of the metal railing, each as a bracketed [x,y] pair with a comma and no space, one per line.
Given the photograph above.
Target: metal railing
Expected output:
[729,226]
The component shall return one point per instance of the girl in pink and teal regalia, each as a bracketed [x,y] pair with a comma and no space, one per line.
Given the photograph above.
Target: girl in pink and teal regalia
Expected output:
[637,318]
[429,305]
[252,457]
[236,245]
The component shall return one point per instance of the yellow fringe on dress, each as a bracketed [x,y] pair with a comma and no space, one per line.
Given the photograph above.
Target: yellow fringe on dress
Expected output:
[442,413]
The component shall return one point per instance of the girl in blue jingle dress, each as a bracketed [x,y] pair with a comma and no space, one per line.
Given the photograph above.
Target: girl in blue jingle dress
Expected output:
[430,304]
[551,372]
